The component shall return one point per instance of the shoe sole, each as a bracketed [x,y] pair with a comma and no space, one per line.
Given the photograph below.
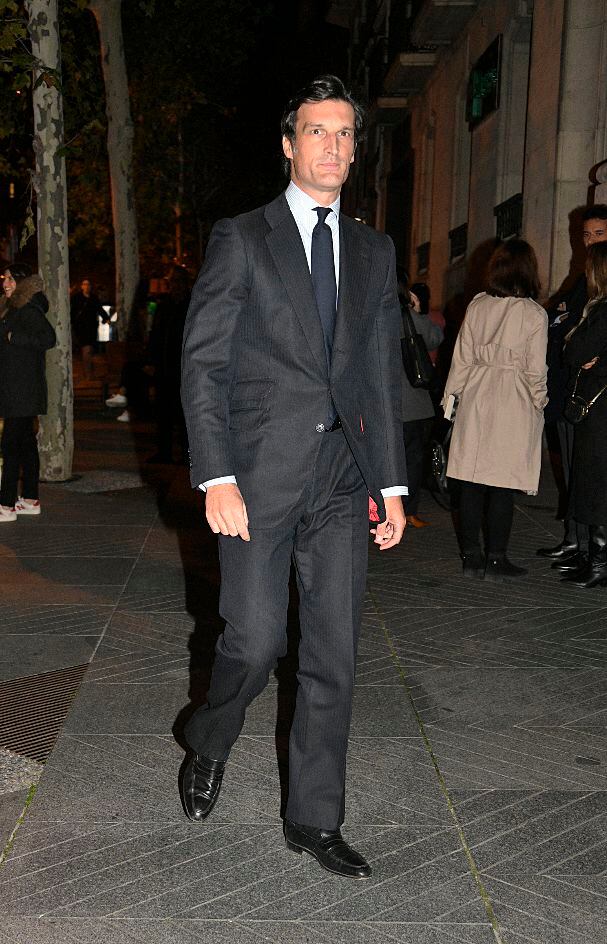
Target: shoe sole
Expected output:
[293,847]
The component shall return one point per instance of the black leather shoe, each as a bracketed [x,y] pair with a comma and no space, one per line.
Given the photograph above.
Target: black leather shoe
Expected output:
[200,785]
[499,568]
[562,551]
[567,566]
[328,848]
[592,575]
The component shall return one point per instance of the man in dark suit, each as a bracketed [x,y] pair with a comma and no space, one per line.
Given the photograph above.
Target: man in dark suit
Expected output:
[291,388]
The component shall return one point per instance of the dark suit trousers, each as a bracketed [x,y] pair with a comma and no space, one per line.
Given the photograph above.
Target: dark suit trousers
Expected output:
[327,536]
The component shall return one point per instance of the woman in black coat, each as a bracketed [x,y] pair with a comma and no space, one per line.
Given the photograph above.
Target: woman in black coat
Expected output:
[25,336]
[586,352]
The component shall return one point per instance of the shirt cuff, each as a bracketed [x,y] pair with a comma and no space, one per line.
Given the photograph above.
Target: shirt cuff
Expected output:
[394,490]
[222,480]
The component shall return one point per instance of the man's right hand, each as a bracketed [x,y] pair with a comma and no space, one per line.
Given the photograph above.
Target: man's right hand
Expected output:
[226,511]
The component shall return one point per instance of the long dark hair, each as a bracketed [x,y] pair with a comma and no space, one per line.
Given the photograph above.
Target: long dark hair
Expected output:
[596,270]
[321,89]
[512,271]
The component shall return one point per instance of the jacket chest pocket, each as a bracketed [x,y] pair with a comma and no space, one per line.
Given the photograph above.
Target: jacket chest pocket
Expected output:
[249,403]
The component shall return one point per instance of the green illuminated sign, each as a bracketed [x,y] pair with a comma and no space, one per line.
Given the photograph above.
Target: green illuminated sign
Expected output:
[484,84]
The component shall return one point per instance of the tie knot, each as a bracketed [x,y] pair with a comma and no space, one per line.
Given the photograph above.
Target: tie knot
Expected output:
[323,213]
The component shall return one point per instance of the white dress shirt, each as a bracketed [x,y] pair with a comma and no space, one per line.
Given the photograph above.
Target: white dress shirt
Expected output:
[302,206]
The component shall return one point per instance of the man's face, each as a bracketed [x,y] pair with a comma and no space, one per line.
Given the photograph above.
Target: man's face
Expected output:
[595,231]
[86,287]
[323,149]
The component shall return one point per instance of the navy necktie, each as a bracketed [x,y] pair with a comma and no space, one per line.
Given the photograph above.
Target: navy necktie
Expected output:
[323,277]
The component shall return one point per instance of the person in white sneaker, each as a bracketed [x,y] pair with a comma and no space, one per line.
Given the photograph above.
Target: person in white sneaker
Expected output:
[118,399]
[25,336]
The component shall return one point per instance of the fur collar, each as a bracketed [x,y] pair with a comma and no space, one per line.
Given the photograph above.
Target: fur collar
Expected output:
[25,291]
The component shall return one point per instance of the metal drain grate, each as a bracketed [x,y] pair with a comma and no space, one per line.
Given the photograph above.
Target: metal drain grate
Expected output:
[32,710]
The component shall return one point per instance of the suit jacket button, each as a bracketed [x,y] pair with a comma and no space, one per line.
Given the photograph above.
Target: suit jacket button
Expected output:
[320,427]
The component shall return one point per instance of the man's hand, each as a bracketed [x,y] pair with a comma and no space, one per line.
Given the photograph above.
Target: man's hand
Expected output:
[584,366]
[390,532]
[226,511]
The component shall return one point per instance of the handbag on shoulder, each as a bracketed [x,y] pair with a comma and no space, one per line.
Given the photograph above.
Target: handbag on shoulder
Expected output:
[416,360]
[576,407]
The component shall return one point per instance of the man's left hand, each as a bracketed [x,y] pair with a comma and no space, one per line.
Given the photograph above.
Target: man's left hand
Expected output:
[390,532]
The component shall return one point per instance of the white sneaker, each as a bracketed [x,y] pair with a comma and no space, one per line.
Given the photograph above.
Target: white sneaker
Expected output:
[125,417]
[117,400]
[27,506]
[7,514]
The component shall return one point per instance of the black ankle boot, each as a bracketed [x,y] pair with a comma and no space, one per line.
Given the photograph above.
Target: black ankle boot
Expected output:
[473,564]
[594,574]
[499,568]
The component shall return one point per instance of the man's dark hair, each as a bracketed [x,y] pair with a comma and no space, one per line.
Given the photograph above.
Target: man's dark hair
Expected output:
[19,270]
[323,88]
[596,212]
[512,271]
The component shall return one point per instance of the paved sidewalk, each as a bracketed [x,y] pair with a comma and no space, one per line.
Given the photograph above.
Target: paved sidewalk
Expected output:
[477,768]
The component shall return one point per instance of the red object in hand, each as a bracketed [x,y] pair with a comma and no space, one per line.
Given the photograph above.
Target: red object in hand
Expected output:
[373,515]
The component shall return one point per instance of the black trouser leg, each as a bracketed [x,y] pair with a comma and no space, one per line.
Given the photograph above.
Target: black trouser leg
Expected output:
[331,549]
[575,531]
[471,506]
[414,438]
[30,462]
[253,602]
[19,450]
[500,511]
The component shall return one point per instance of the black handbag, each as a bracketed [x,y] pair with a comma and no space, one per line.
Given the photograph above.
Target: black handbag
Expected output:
[576,407]
[416,360]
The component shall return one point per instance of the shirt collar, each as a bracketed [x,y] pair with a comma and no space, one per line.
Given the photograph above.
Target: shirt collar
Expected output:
[301,203]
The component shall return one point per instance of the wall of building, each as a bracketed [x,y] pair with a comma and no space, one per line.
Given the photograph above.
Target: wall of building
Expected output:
[473,170]
[542,141]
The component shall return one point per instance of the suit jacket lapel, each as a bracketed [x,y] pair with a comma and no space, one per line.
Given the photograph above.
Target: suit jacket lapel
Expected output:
[354,271]
[285,245]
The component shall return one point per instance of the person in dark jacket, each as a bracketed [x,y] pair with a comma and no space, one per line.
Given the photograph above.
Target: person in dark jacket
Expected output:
[417,407]
[85,311]
[562,318]
[586,354]
[166,341]
[25,336]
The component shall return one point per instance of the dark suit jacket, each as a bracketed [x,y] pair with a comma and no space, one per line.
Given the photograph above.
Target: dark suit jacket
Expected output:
[255,382]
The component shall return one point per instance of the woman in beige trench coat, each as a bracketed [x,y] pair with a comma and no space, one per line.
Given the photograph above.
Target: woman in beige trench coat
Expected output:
[498,373]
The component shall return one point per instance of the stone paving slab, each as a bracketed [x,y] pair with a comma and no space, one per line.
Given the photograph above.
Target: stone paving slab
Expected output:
[477,778]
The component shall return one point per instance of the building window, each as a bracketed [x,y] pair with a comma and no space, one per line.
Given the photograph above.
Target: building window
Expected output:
[458,240]
[509,217]
[484,84]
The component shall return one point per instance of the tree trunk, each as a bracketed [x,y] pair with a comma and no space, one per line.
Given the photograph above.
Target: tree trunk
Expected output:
[107,13]
[56,437]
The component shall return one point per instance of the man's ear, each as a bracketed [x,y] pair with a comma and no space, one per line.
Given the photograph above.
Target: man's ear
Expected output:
[287,148]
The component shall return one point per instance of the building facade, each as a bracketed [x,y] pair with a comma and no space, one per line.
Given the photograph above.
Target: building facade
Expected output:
[488,120]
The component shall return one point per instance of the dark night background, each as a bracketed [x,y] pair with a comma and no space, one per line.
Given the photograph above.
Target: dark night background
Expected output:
[208,83]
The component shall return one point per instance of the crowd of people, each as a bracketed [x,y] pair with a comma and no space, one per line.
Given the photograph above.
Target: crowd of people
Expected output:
[514,366]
